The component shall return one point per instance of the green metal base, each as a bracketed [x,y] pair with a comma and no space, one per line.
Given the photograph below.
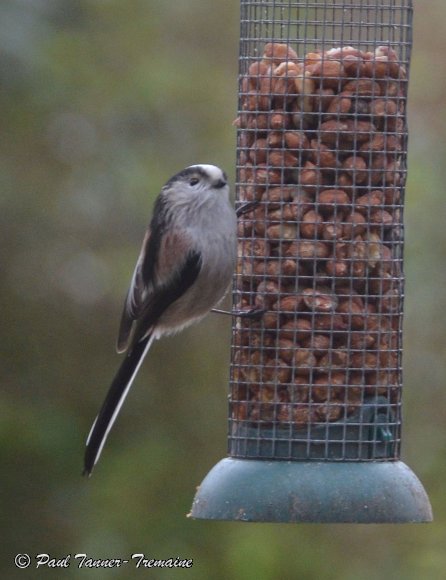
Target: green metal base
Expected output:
[252,490]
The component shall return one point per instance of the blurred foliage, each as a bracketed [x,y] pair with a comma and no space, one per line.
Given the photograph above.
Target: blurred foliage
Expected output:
[101,101]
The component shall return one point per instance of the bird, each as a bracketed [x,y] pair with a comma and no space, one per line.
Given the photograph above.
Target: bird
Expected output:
[184,269]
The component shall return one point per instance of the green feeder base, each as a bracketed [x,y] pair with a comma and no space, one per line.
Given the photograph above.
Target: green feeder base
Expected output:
[252,490]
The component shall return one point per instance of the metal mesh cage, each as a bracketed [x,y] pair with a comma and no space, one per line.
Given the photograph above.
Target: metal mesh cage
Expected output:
[315,389]
[321,168]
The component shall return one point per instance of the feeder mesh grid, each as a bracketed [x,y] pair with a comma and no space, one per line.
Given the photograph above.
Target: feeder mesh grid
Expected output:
[321,169]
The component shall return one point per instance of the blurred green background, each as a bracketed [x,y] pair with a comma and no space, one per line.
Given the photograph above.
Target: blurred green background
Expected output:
[101,101]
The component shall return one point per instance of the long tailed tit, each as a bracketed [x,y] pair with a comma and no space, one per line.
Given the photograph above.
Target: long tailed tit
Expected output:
[184,269]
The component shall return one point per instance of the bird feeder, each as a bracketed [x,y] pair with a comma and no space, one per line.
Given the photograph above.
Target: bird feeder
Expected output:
[315,387]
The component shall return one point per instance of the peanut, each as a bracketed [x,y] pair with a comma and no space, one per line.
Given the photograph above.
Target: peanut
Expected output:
[320,142]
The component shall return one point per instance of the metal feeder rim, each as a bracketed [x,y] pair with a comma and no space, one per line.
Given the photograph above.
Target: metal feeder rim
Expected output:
[251,490]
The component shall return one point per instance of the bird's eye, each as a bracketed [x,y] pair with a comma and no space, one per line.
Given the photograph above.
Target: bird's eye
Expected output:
[194,181]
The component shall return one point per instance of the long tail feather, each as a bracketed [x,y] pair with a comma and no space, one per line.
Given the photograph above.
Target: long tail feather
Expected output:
[113,402]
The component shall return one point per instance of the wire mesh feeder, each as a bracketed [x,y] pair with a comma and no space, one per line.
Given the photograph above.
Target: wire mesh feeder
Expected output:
[315,399]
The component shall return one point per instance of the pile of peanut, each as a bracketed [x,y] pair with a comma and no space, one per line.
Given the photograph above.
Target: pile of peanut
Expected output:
[321,152]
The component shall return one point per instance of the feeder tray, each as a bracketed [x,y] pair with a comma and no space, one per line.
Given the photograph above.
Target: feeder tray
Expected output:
[316,378]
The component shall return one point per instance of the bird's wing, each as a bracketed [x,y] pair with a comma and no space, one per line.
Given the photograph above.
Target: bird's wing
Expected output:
[136,296]
[167,266]
[163,296]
